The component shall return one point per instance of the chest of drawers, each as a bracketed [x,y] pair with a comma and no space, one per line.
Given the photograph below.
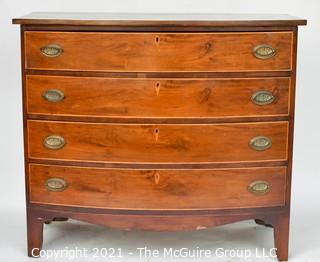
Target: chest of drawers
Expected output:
[158,122]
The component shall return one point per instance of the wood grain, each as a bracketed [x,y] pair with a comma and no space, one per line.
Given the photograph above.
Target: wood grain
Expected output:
[157,143]
[138,52]
[275,216]
[157,189]
[152,220]
[158,28]
[167,183]
[156,98]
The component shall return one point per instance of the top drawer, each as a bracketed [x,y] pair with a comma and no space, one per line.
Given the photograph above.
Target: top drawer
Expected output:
[164,52]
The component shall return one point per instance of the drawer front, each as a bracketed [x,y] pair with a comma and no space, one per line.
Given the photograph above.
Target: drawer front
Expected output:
[143,52]
[157,189]
[157,143]
[147,98]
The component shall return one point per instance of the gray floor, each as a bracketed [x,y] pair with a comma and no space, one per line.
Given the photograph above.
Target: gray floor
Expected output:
[243,236]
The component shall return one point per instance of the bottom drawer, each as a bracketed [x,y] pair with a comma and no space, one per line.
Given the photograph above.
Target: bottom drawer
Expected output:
[157,189]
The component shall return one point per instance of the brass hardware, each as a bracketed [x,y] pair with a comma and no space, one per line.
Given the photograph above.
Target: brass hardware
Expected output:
[54,142]
[56,184]
[264,52]
[51,50]
[259,187]
[260,143]
[53,95]
[262,98]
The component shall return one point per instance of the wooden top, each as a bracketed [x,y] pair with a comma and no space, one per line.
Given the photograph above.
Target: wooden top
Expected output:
[153,19]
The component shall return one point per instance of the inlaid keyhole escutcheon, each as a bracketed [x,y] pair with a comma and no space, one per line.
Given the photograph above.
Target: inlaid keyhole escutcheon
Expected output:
[156,177]
[157,87]
[156,133]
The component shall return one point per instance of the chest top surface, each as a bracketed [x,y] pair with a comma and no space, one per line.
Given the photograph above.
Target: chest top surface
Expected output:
[158,19]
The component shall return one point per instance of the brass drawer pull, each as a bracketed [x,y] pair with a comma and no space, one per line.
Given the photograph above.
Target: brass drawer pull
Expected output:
[51,50]
[54,142]
[56,184]
[264,52]
[53,95]
[259,187]
[260,143]
[262,98]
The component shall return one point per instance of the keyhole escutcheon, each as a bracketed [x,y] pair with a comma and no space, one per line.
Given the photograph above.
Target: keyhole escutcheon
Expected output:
[156,177]
[156,133]
[157,87]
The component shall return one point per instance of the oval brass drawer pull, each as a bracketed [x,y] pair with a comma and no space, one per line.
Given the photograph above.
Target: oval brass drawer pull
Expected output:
[51,50]
[264,52]
[53,95]
[259,187]
[262,98]
[56,184]
[54,142]
[260,143]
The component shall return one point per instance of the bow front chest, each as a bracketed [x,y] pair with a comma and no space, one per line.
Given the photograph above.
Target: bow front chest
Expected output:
[158,122]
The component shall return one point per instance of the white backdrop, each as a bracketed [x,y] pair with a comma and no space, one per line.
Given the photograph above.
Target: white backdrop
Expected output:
[306,176]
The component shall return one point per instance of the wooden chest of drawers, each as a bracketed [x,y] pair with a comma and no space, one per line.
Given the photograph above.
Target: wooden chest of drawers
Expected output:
[162,122]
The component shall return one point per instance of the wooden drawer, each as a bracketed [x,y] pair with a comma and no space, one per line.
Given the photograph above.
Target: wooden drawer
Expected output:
[156,98]
[157,189]
[157,143]
[143,52]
